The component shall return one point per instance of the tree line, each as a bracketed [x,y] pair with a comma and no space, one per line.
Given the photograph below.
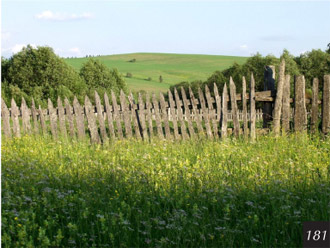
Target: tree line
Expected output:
[315,63]
[40,74]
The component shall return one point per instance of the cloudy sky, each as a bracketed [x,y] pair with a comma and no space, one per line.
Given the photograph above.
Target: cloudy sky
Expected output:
[79,28]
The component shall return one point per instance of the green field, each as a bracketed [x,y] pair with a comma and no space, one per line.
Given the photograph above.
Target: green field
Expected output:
[203,193]
[174,68]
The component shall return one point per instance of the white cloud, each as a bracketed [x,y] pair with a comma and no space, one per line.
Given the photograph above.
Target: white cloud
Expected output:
[52,16]
[16,48]
[243,47]
[75,50]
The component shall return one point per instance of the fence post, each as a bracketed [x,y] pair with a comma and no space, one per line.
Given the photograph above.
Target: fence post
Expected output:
[142,118]
[211,112]
[149,116]
[61,117]
[68,110]
[79,116]
[326,105]
[315,105]
[34,117]
[224,116]
[205,114]
[300,113]
[187,112]
[286,104]
[252,109]
[109,116]
[135,116]
[279,99]
[5,119]
[245,121]
[198,118]
[25,117]
[116,115]
[127,119]
[269,84]
[164,116]
[52,118]
[89,109]
[42,121]
[234,109]
[100,117]
[180,115]
[174,121]
[157,117]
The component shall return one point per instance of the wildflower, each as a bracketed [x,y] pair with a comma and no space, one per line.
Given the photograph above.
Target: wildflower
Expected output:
[16,218]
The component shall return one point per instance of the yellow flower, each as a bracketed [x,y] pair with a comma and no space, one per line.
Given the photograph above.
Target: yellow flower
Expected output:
[16,218]
[19,225]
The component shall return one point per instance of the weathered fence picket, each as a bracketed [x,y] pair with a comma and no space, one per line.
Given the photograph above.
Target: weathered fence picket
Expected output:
[5,119]
[61,118]
[52,118]
[252,109]
[100,117]
[300,113]
[286,114]
[34,117]
[315,107]
[109,116]
[79,116]
[326,105]
[69,117]
[224,115]
[234,109]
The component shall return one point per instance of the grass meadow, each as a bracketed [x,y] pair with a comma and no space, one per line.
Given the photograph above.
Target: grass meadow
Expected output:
[131,193]
[174,68]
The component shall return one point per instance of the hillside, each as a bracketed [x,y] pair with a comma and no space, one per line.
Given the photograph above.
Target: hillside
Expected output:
[173,68]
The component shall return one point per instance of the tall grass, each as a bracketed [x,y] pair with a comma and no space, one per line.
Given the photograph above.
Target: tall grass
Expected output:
[163,194]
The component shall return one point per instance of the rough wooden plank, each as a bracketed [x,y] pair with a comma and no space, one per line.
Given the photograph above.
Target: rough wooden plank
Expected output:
[100,118]
[315,107]
[165,116]
[42,121]
[135,116]
[244,113]
[173,114]
[279,99]
[69,117]
[180,115]
[300,113]
[89,109]
[234,109]
[218,103]
[126,115]
[269,84]
[187,113]
[211,111]
[109,116]
[25,117]
[5,119]
[52,118]
[252,109]
[326,105]
[116,115]
[198,117]
[149,116]
[157,117]
[205,114]
[34,117]
[142,118]
[61,117]
[286,105]
[79,116]
[224,112]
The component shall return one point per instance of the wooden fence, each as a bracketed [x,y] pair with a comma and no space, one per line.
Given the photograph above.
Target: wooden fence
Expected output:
[178,118]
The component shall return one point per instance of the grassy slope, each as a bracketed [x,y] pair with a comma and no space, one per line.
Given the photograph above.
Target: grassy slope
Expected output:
[174,68]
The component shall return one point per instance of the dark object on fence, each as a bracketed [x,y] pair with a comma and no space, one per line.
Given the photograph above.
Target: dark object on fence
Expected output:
[269,84]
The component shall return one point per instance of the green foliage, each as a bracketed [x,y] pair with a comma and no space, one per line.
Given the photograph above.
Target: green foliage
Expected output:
[200,193]
[101,79]
[41,74]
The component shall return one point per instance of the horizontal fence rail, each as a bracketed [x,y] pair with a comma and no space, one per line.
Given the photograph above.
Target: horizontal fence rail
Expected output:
[179,117]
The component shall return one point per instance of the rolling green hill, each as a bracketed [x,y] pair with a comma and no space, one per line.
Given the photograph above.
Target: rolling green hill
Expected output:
[173,68]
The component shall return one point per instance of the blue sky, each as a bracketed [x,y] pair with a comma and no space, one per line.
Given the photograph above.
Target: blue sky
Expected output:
[243,28]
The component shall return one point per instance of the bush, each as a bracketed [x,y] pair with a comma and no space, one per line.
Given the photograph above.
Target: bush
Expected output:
[129,75]
[132,60]
[149,79]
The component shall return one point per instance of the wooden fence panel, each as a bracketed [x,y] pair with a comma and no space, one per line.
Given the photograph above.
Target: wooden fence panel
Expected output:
[109,116]
[326,105]
[286,104]
[135,116]
[25,117]
[34,117]
[157,117]
[69,117]
[173,114]
[126,115]
[42,121]
[211,111]
[100,118]
[234,109]
[244,113]
[142,118]
[89,110]
[252,109]
[198,117]
[165,117]
[315,107]
[205,113]
[224,116]
[279,99]
[5,119]
[79,116]
[187,113]
[149,116]
[52,118]
[300,113]
[180,115]
[61,117]
[116,115]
